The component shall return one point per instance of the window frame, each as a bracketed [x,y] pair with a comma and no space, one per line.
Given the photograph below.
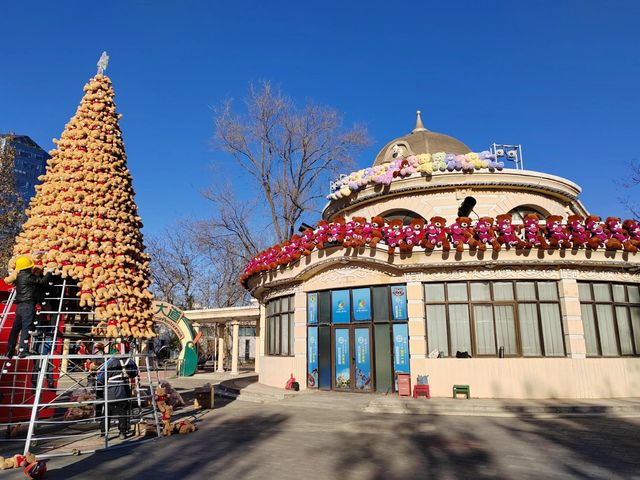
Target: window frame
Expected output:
[470,303]
[592,303]
[277,317]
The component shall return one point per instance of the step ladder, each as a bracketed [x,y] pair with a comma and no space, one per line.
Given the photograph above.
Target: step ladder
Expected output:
[29,398]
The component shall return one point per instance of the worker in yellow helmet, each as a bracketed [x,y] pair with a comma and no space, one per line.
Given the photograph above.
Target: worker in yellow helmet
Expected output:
[28,285]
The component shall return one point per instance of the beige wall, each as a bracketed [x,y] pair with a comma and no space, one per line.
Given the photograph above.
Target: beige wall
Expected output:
[275,371]
[532,378]
[442,193]
[571,377]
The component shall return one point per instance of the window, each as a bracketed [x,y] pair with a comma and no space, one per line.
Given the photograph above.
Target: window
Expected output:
[380,304]
[405,215]
[519,318]
[611,318]
[518,213]
[280,326]
[247,331]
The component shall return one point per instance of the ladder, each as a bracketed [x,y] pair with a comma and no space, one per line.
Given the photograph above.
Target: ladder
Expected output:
[43,384]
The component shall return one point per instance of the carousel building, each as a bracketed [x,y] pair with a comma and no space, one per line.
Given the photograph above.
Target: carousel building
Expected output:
[439,261]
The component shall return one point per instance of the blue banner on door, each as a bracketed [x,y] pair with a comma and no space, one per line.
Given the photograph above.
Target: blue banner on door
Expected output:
[312,308]
[400,348]
[399,302]
[343,360]
[312,357]
[361,304]
[363,359]
[340,306]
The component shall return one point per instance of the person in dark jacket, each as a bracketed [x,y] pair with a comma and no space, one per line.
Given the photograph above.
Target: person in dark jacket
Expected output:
[118,376]
[28,287]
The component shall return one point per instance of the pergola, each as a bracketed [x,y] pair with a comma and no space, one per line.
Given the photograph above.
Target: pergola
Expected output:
[223,317]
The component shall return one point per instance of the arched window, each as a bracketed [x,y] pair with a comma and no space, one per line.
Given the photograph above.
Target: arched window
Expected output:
[519,212]
[405,215]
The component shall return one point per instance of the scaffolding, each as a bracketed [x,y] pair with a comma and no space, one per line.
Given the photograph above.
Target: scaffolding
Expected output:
[57,401]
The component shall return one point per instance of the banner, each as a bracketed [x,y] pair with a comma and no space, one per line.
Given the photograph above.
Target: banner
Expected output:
[361,304]
[399,302]
[363,359]
[343,360]
[312,308]
[312,357]
[340,306]
[400,348]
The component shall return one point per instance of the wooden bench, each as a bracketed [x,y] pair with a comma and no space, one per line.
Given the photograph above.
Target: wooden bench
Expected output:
[461,389]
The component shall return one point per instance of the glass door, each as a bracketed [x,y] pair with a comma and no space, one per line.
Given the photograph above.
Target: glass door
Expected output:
[352,359]
[342,359]
[362,344]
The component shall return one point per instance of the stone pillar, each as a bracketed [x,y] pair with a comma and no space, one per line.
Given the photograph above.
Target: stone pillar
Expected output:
[300,339]
[64,364]
[572,318]
[256,363]
[417,327]
[235,348]
[220,349]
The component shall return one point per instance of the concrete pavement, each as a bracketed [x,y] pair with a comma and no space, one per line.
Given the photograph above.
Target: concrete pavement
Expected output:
[289,440]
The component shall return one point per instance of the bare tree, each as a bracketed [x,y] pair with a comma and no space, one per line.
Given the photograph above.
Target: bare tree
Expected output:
[631,181]
[288,151]
[191,270]
[175,268]
[11,205]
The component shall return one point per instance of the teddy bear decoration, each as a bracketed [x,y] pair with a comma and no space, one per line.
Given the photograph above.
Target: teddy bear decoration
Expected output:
[83,222]
[576,232]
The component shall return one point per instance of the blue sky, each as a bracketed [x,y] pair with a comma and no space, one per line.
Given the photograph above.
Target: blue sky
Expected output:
[561,78]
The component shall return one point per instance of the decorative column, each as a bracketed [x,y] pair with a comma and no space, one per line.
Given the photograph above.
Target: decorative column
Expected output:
[417,327]
[572,318]
[258,349]
[235,348]
[220,349]
[300,338]
[66,343]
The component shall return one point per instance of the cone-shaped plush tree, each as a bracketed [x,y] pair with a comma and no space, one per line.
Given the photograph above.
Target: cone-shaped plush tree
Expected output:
[83,222]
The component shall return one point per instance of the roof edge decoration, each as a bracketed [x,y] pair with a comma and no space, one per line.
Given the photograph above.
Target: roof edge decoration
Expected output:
[577,233]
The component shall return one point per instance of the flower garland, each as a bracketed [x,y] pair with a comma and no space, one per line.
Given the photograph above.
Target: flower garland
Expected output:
[424,163]
[578,232]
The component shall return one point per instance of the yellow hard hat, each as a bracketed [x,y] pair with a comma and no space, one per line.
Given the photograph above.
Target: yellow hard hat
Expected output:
[23,263]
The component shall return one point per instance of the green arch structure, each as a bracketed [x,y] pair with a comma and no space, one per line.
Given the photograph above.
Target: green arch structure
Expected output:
[174,318]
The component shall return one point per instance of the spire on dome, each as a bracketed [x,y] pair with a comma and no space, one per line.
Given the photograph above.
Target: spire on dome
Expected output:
[419,125]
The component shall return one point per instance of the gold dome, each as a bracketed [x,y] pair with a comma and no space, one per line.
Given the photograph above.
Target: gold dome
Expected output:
[420,140]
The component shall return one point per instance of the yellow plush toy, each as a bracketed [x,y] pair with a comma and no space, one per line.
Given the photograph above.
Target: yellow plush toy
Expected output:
[112,328]
[124,329]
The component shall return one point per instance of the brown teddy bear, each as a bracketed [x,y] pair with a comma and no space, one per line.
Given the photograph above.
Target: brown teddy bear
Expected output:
[183,427]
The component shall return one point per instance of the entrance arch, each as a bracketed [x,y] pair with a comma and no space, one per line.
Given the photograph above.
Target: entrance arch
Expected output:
[173,318]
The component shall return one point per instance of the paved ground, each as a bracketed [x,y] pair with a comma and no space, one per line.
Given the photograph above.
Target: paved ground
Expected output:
[325,439]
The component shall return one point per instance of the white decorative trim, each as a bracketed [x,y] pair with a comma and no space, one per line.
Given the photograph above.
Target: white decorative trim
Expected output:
[281,292]
[596,274]
[348,273]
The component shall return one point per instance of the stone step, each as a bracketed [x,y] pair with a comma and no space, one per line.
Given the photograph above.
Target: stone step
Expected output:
[506,408]
[251,394]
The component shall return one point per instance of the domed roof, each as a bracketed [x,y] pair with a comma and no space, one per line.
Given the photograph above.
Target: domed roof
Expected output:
[420,140]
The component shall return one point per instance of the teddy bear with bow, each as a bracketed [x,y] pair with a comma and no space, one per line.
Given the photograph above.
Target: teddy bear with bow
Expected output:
[461,234]
[485,234]
[436,235]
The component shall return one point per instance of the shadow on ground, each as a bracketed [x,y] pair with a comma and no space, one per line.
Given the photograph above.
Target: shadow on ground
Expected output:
[599,447]
[219,444]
